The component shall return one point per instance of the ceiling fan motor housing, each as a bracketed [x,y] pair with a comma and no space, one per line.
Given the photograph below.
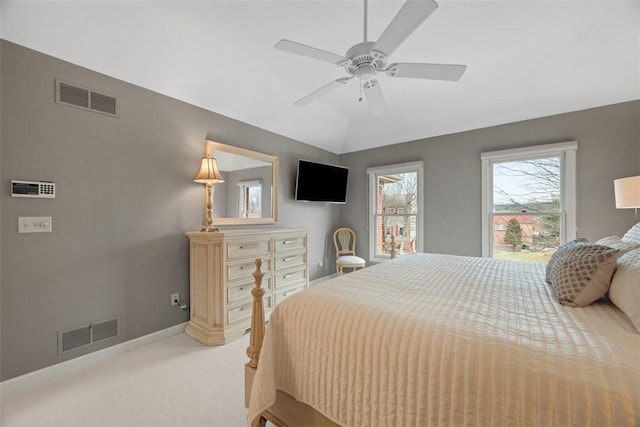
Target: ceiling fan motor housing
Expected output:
[363,62]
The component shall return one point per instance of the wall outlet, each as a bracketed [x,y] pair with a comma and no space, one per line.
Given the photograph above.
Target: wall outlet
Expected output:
[175,297]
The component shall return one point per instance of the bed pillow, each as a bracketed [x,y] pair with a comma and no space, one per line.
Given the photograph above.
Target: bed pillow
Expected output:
[633,235]
[625,286]
[559,254]
[583,274]
[617,243]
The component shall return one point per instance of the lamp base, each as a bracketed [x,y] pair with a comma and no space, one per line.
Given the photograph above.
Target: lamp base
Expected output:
[209,229]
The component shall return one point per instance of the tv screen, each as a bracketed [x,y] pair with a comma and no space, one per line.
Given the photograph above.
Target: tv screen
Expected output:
[319,182]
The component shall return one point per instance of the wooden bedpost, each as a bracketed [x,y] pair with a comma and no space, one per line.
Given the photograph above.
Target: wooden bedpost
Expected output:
[257,318]
[256,335]
[286,411]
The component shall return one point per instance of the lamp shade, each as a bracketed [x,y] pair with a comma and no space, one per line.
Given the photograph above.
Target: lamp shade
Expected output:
[209,172]
[627,192]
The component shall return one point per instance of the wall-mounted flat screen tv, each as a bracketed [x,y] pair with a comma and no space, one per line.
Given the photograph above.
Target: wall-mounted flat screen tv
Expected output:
[320,182]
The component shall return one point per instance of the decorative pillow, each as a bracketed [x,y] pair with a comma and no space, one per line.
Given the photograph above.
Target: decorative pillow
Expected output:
[625,286]
[583,274]
[632,235]
[616,243]
[559,254]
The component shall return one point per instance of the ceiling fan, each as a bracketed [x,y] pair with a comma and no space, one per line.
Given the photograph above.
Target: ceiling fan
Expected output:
[366,59]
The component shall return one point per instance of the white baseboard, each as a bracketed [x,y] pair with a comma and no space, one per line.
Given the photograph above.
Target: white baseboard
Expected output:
[55,371]
[322,279]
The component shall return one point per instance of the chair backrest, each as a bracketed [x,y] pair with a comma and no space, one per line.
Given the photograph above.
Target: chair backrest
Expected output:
[345,241]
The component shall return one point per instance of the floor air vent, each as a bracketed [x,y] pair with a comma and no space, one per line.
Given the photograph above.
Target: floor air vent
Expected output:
[72,339]
[87,99]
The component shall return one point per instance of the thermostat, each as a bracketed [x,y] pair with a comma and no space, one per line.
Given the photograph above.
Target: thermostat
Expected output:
[38,189]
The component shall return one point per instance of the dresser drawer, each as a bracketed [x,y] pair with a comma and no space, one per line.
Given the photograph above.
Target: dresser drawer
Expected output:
[248,248]
[290,260]
[238,270]
[289,278]
[295,243]
[282,295]
[242,291]
[243,312]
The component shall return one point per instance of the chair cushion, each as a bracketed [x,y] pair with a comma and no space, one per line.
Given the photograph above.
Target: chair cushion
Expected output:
[350,259]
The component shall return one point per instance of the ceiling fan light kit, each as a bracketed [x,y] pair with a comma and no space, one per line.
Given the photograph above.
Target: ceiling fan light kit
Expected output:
[364,60]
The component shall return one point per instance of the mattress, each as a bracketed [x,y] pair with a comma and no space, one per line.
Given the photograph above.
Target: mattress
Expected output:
[438,340]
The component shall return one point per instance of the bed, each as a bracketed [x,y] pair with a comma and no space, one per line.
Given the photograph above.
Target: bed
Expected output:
[440,340]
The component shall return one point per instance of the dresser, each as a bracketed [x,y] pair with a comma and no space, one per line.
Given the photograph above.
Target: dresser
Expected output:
[221,267]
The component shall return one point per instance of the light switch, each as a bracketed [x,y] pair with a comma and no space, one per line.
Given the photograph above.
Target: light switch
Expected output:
[34,224]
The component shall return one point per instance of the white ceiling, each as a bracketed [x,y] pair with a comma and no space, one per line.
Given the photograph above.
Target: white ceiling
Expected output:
[525,59]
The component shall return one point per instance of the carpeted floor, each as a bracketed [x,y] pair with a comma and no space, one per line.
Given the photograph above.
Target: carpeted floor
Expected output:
[173,382]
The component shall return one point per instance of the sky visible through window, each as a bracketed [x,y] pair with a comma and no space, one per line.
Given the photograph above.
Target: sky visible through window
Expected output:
[526,183]
[526,209]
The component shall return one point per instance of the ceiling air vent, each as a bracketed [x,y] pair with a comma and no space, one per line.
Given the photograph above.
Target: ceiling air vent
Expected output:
[75,338]
[86,99]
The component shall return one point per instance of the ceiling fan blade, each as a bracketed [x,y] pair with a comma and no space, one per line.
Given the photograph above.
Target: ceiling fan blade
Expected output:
[411,15]
[373,92]
[311,52]
[450,72]
[322,91]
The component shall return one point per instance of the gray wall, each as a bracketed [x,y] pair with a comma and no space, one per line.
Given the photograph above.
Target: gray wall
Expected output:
[608,148]
[125,198]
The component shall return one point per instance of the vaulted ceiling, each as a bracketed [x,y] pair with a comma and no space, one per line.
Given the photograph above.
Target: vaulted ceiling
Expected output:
[525,59]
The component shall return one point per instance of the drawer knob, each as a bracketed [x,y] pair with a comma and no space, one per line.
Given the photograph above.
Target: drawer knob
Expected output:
[288,259]
[242,289]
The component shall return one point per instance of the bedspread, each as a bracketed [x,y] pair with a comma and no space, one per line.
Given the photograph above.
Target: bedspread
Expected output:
[440,340]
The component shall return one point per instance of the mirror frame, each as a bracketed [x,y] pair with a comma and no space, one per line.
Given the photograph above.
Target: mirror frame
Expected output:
[217,146]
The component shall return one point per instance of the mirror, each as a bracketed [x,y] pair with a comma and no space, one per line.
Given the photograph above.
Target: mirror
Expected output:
[249,194]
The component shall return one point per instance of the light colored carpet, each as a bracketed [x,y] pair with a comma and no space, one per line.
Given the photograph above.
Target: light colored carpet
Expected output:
[173,382]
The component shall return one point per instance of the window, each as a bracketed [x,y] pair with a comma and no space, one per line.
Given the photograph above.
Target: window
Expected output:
[250,199]
[395,210]
[528,201]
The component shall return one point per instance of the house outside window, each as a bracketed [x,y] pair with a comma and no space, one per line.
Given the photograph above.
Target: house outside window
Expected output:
[528,201]
[395,210]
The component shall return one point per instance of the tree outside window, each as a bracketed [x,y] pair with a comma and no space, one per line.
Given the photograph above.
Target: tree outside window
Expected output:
[396,211]
[529,197]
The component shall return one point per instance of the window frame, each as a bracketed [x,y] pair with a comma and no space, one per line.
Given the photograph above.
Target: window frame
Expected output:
[373,173]
[566,151]
[243,187]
